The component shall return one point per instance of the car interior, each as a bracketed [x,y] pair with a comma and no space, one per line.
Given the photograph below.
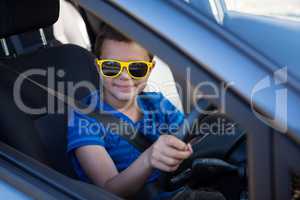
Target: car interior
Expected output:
[28,49]
[53,44]
[64,57]
[30,53]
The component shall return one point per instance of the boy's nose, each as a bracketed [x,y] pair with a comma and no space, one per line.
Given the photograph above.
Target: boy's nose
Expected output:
[124,75]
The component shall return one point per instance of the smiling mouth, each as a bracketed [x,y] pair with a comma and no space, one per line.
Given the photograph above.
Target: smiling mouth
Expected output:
[124,88]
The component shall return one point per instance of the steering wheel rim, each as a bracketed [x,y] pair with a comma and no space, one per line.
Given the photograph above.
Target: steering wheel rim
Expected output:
[167,179]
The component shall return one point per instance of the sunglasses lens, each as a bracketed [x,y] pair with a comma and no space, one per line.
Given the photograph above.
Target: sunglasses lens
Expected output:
[110,68]
[138,70]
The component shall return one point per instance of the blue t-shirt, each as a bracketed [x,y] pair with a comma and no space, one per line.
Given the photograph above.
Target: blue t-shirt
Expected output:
[159,117]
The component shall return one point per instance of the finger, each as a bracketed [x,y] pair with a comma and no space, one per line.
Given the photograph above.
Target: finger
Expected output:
[190,148]
[174,153]
[169,161]
[163,167]
[176,143]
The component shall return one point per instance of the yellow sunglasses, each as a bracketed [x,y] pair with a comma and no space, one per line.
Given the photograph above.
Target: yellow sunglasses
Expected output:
[113,68]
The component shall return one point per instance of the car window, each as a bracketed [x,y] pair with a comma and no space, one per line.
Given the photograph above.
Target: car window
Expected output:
[9,192]
[288,9]
[271,28]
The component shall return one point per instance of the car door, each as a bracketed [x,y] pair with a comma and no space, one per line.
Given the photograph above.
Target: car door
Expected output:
[200,50]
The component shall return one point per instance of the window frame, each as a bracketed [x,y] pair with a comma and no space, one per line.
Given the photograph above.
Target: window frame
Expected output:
[139,23]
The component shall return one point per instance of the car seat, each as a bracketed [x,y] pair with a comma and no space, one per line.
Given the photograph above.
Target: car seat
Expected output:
[41,135]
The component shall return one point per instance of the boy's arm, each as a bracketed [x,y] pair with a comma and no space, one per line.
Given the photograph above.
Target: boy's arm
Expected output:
[165,154]
[100,168]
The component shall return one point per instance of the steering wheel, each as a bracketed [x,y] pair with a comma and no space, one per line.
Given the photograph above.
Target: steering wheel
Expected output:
[217,153]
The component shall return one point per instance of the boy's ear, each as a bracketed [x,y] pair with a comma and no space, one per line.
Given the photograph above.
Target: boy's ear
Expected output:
[97,67]
[154,63]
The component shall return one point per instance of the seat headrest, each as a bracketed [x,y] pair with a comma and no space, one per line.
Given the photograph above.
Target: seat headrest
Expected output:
[21,16]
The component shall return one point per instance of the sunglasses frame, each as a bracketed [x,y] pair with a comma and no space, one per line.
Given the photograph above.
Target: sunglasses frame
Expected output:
[124,64]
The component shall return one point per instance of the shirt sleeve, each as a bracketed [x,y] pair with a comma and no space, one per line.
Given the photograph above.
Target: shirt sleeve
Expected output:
[83,130]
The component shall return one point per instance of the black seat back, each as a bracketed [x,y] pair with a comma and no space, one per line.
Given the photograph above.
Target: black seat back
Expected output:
[49,128]
[64,68]
[18,130]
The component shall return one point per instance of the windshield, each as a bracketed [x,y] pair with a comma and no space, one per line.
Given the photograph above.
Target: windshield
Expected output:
[286,9]
[270,27]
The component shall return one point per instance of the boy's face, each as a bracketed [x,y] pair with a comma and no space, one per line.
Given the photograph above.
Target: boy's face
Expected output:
[123,87]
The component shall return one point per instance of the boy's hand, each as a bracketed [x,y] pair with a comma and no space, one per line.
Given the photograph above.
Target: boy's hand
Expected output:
[167,153]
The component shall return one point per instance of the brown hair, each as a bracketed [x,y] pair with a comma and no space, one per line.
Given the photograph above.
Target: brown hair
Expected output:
[108,32]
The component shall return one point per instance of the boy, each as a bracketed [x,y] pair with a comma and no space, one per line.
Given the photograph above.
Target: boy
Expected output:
[105,158]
